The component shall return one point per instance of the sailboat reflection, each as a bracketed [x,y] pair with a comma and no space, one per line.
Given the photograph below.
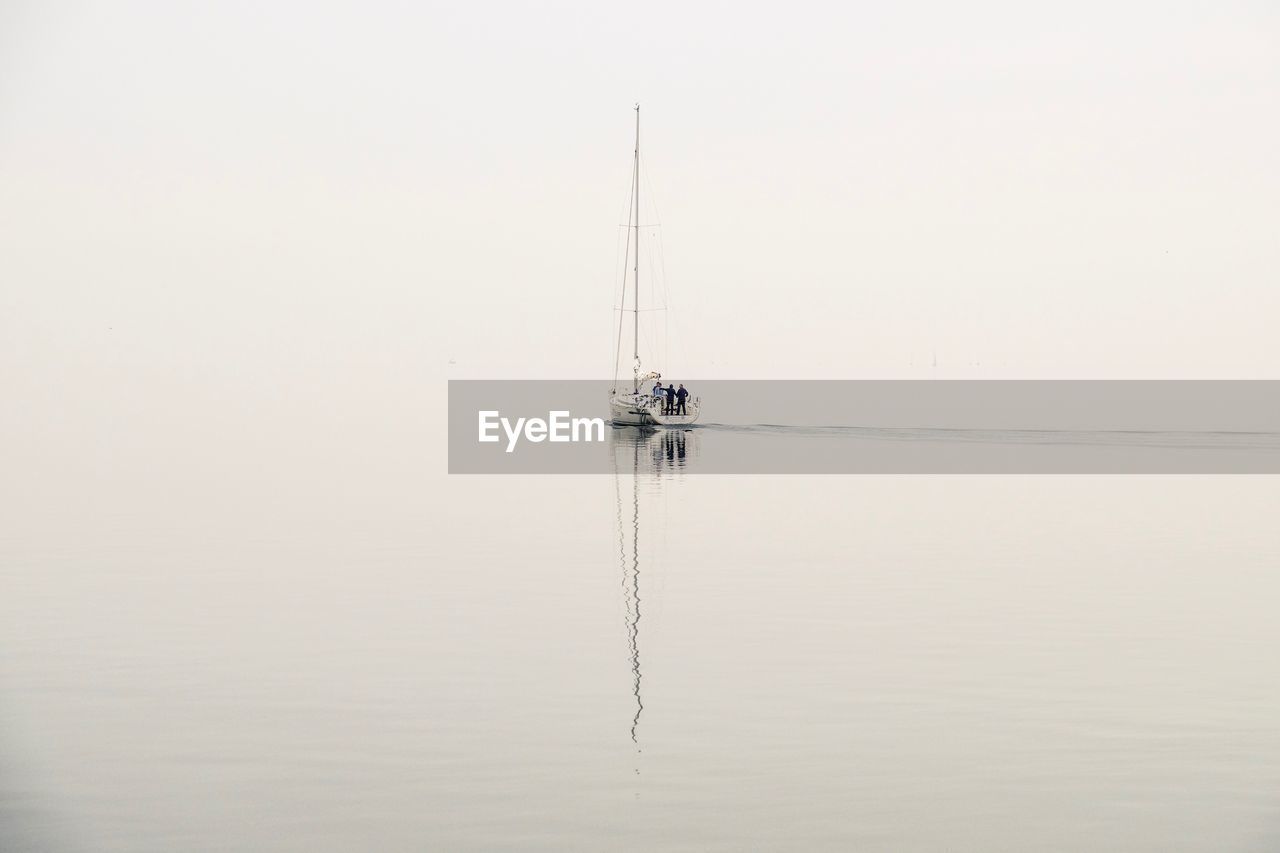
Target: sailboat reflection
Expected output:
[651,456]
[654,451]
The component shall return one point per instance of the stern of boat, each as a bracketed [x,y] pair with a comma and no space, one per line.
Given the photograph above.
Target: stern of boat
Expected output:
[646,410]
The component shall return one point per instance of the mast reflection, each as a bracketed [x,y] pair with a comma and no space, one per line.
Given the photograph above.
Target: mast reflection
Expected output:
[631,587]
[652,455]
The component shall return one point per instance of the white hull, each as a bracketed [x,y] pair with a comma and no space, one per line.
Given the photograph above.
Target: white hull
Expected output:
[644,410]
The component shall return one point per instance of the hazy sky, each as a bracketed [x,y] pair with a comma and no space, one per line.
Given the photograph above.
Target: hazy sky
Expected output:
[252,196]
[243,244]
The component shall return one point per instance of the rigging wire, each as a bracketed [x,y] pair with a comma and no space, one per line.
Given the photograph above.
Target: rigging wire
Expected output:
[617,357]
[617,281]
[659,268]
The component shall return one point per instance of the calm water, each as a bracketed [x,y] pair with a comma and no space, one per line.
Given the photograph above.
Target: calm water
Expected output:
[331,647]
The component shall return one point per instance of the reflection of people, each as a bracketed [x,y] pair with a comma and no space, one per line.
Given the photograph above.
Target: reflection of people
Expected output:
[681,395]
[671,400]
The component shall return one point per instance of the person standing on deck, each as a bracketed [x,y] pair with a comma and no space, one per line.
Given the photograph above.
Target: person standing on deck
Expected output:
[657,390]
[681,395]
[671,400]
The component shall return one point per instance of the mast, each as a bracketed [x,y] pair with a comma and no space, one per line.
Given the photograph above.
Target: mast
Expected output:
[636,311]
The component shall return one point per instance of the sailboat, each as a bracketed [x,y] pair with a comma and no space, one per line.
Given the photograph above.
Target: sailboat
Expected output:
[640,404]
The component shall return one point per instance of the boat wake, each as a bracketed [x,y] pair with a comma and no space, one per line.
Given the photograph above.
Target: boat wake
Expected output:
[1188,439]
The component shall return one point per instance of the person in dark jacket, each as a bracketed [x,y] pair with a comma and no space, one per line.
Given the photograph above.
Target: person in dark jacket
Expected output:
[671,400]
[681,396]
